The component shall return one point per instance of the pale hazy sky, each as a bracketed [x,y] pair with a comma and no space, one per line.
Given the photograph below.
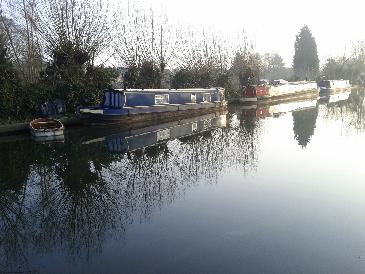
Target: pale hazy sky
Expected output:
[274,24]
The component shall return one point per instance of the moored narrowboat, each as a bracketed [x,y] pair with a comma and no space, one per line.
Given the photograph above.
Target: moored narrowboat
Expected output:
[134,105]
[250,94]
[327,86]
[280,91]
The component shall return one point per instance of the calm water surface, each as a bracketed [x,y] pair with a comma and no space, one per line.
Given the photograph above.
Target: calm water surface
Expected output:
[276,189]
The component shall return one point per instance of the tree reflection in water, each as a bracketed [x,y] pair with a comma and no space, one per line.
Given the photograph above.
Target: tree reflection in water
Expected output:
[68,197]
[14,224]
[351,112]
[304,123]
[344,107]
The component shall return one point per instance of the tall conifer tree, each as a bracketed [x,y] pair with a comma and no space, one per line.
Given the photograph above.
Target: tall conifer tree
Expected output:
[305,61]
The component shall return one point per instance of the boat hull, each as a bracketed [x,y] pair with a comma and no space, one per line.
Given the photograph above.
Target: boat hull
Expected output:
[247,99]
[46,133]
[46,128]
[309,94]
[289,96]
[142,115]
[328,91]
[289,91]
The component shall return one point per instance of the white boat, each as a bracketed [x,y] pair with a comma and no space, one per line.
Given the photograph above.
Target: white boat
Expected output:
[292,88]
[45,127]
[333,85]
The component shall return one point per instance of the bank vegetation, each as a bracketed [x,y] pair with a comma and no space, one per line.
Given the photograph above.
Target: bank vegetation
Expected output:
[73,49]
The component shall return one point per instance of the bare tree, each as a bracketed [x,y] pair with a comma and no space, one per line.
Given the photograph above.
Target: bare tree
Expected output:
[17,21]
[144,36]
[85,24]
[246,66]
[202,50]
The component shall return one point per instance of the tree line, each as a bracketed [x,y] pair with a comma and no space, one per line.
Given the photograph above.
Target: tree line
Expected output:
[73,49]
[49,50]
[350,67]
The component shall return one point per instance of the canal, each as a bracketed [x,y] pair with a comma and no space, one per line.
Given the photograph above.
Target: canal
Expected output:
[267,189]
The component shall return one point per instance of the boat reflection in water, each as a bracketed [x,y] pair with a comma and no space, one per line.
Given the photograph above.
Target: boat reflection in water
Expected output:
[135,139]
[275,110]
[334,97]
[49,139]
[73,207]
[304,113]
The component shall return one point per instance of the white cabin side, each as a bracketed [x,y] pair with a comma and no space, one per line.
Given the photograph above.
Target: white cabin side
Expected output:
[292,88]
[334,84]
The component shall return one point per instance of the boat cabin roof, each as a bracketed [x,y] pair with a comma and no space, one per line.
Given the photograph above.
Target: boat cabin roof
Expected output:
[340,80]
[190,90]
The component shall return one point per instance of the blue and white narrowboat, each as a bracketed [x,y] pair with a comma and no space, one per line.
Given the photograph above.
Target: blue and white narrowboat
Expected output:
[154,104]
[326,86]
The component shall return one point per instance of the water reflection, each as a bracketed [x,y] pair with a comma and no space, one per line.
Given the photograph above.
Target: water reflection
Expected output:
[275,110]
[334,97]
[346,106]
[66,200]
[304,114]
[70,197]
[304,124]
[134,139]
[350,112]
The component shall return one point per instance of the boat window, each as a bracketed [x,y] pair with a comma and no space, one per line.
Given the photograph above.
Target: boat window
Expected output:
[193,98]
[161,99]
[207,97]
